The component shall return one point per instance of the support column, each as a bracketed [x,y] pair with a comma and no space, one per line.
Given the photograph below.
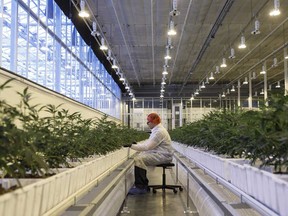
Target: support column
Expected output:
[238,87]
[250,92]
[285,72]
[265,85]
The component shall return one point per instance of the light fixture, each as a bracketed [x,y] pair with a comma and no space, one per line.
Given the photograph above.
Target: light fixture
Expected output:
[223,94]
[165,72]
[256,94]
[168,57]
[83,13]
[211,76]
[166,63]
[253,75]
[263,71]
[161,96]
[130,93]
[217,70]
[228,91]
[169,43]
[162,90]
[109,57]
[245,81]
[133,99]
[275,11]
[275,62]
[163,82]
[233,89]
[278,85]
[171,31]
[286,57]
[256,28]
[114,65]
[103,46]
[174,11]
[196,92]
[223,63]
[122,78]
[262,91]
[203,85]
[127,87]
[207,80]
[232,53]
[192,97]
[94,30]
[242,43]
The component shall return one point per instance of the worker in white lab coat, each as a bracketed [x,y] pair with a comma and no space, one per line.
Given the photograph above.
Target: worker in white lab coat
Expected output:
[153,151]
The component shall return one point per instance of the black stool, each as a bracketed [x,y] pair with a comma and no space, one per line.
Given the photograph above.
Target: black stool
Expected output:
[164,186]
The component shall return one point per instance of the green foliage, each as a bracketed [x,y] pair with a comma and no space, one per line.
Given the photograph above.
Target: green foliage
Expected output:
[31,143]
[257,135]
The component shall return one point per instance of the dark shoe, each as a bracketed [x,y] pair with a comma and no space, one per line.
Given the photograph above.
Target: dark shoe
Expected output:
[137,191]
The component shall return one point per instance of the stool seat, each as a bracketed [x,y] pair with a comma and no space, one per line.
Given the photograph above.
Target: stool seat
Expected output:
[164,165]
[164,186]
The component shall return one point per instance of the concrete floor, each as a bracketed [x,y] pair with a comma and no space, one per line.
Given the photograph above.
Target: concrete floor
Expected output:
[160,204]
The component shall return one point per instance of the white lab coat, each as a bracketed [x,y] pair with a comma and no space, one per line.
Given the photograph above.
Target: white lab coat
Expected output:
[155,150]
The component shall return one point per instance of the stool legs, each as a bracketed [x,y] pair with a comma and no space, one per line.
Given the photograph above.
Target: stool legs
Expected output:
[164,185]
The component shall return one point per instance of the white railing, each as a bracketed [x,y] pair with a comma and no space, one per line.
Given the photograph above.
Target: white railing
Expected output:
[59,190]
[265,187]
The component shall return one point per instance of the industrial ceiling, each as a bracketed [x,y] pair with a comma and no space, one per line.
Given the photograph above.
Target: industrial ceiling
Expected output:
[207,30]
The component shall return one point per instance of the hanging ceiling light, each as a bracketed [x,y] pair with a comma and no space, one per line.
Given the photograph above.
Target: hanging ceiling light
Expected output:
[223,63]
[196,92]
[168,57]
[245,81]
[114,65]
[256,94]
[169,43]
[162,90]
[122,78]
[171,31]
[228,91]
[133,98]
[94,30]
[165,72]
[174,11]
[263,71]
[286,57]
[109,56]
[232,53]
[161,96]
[103,46]
[203,85]
[262,91]
[192,97]
[83,13]
[253,75]
[217,70]
[223,94]
[242,43]
[275,11]
[275,62]
[163,82]
[278,85]
[207,80]
[211,76]
[127,87]
[256,28]
[233,89]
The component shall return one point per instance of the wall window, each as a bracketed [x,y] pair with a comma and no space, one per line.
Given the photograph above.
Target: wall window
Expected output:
[39,42]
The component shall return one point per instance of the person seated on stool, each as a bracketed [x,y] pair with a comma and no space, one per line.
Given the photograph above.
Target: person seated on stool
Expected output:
[154,151]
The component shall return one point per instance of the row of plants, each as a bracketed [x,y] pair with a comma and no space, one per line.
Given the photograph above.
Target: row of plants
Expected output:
[34,138]
[260,135]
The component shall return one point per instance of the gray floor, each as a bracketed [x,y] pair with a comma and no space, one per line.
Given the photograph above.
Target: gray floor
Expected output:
[159,204]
